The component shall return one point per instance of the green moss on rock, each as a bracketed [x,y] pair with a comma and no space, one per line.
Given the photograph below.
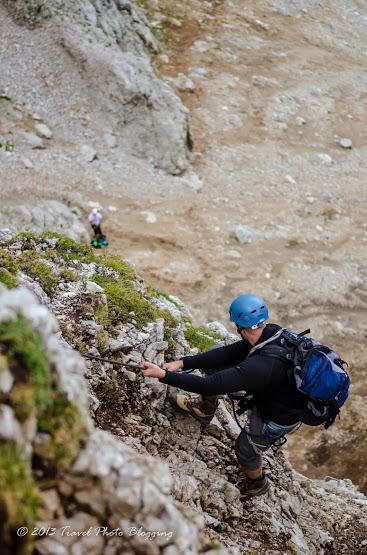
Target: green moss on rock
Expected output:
[123,299]
[7,261]
[8,279]
[24,345]
[69,249]
[101,314]
[201,338]
[102,340]
[31,264]
[36,390]
[69,275]
[18,499]
[23,401]
[63,422]
[119,265]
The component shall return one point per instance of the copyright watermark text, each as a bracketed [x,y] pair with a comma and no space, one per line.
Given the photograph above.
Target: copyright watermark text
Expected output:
[94,531]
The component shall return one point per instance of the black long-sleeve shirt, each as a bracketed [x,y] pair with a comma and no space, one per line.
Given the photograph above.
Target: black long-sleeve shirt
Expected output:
[261,375]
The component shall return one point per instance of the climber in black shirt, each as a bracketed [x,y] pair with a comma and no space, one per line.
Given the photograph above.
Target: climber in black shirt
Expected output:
[276,401]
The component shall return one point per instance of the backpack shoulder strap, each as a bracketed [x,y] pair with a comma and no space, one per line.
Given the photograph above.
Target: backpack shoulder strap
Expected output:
[263,343]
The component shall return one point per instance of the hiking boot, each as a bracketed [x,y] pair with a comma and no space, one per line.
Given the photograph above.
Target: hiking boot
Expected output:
[252,488]
[202,408]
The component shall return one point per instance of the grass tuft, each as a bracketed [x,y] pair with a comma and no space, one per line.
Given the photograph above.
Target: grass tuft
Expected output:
[31,264]
[18,499]
[201,338]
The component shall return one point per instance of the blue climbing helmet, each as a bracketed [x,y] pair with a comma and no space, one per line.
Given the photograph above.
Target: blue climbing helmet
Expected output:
[248,311]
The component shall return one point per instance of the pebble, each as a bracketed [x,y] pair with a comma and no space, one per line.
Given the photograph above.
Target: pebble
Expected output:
[291,180]
[233,254]
[43,130]
[182,82]
[346,143]
[311,199]
[325,158]
[201,46]
[33,140]
[150,217]
[192,181]
[27,163]
[88,153]
[174,21]
[164,58]
[92,287]
[300,121]
[198,72]
[110,140]
[243,233]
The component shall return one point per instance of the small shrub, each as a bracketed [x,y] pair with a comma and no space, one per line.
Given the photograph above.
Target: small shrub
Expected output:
[123,299]
[68,275]
[119,265]
[102,340]
[80,345]
[170,321]
[170,353]
[69,249]
[101,314]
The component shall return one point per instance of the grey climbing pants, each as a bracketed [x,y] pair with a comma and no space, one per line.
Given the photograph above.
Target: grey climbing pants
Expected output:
[258,436]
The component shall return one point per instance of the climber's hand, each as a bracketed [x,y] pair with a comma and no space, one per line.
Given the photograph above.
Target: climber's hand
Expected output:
[173,366]
[151,370]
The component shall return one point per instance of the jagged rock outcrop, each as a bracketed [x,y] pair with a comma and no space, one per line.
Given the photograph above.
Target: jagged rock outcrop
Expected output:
[89,480]
[110,41]
[46,214]
[109,478]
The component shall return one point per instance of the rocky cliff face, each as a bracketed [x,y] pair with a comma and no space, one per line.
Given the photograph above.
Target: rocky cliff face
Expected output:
[109,43]
[147,469]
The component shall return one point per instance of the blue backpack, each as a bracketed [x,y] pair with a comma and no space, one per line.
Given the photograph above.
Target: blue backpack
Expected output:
[315,370]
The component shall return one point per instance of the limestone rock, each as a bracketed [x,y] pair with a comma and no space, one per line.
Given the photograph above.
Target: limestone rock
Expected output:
[110,40]
[46,215]
[346,143]
[43,130]
[33,140]
[182,82]
[9,426]
[88,153]
[6,377]
[243,233]
[27,163]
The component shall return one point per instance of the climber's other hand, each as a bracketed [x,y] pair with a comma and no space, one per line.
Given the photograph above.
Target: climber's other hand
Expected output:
[173,366]
[151,370]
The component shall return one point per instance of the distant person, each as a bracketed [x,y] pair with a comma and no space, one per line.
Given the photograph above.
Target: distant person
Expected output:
[95,218]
